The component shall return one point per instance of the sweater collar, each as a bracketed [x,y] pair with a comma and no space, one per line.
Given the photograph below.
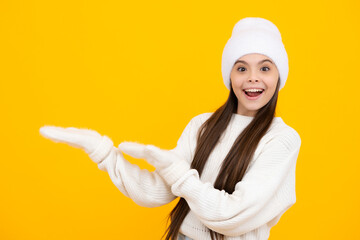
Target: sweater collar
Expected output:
[244,120]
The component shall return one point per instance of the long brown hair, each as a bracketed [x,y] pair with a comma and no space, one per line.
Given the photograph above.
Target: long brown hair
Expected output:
[237,160]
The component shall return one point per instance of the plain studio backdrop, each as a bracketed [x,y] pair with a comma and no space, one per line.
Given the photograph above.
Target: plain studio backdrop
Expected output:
[139,71]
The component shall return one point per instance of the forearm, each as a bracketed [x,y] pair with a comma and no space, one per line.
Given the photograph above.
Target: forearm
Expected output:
[145,188]
[266,191]
[232,214]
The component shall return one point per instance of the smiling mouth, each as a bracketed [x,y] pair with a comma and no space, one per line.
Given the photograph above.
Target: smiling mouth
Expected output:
[253,94]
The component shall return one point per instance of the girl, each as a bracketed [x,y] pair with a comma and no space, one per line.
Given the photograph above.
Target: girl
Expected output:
[233,169]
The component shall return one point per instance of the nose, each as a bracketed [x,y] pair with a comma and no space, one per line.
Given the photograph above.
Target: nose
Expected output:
[253,75]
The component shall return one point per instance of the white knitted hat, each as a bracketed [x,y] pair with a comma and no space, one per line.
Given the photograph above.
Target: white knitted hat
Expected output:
[254,35]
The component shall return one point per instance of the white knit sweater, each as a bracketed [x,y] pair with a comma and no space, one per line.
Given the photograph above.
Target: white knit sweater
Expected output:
[266,191]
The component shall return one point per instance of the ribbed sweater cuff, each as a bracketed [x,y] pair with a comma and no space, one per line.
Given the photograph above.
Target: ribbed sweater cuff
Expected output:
[102,150]
[175,171]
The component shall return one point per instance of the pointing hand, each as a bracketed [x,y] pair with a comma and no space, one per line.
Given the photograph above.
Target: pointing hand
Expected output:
[168,164]
[94,144]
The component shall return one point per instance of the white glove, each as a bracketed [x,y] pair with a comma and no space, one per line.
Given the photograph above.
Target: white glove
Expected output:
[94,144]
[169,165]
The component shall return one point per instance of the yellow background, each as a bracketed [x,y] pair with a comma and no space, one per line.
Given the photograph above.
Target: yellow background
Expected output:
[139,71]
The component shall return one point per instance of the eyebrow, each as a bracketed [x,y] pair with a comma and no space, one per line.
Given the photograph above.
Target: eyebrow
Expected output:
[241,61]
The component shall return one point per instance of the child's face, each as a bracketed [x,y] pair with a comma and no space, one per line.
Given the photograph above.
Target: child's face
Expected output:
[252,74]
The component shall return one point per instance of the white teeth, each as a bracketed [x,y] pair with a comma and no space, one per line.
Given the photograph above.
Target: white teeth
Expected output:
[253,90]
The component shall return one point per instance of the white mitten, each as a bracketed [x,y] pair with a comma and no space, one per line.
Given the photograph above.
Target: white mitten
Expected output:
[94,144]
[167,163]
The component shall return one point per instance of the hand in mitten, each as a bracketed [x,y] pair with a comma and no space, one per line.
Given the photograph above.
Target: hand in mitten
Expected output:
[168,164]
[94,144]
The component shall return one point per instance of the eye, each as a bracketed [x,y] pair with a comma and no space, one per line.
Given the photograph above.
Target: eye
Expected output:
[240,68]
[265,67]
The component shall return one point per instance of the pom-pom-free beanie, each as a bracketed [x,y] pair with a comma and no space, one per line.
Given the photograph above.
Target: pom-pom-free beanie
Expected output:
[255,35]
